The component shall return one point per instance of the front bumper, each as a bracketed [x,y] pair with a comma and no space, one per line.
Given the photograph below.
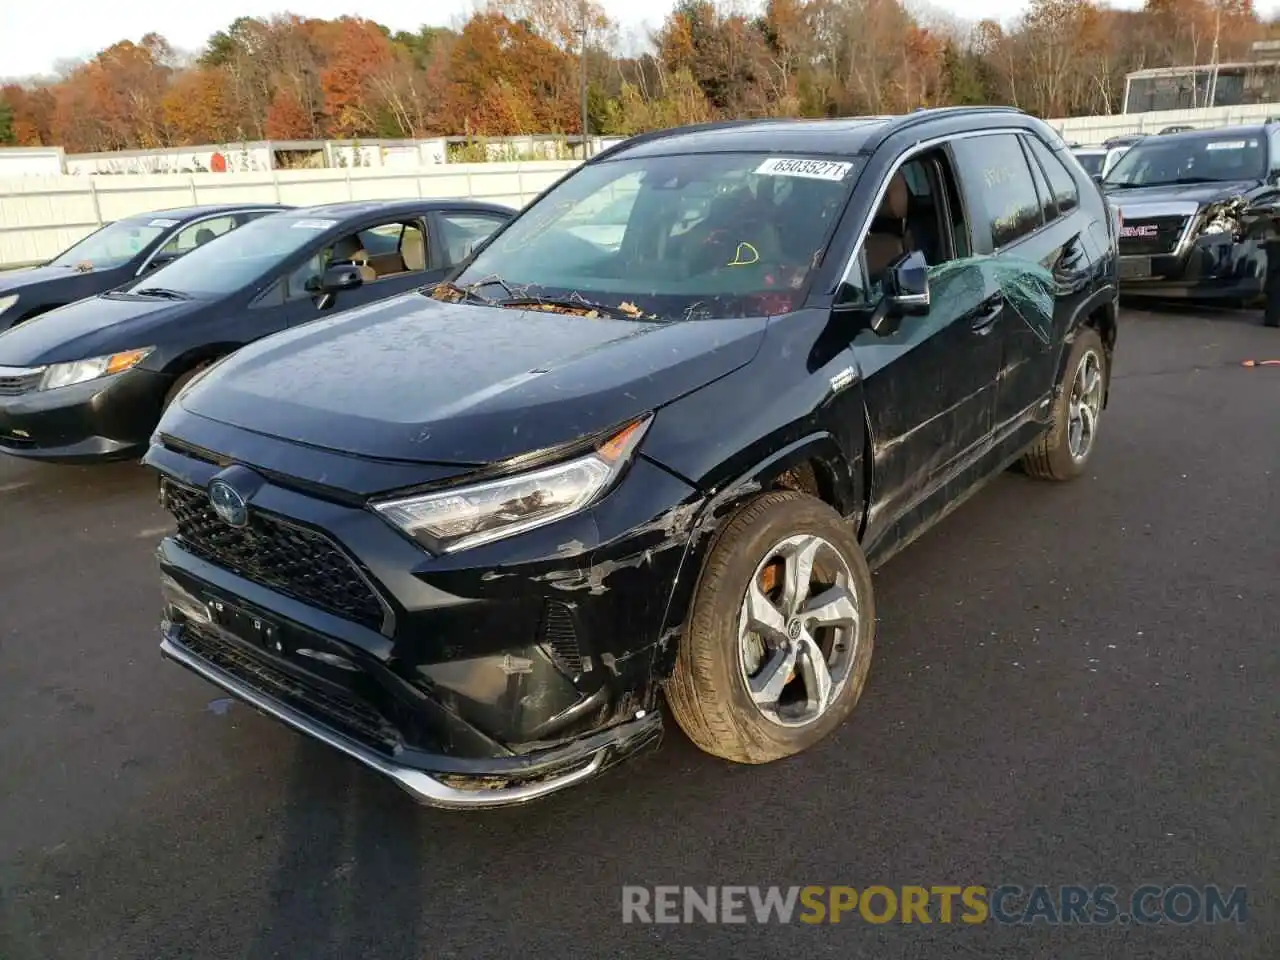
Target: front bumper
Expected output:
[438,781]
[1214,267]
[110,418]
[485,678]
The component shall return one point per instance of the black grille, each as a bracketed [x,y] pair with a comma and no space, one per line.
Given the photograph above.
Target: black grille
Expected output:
[345,714]
[1168,230]
[292,560]
[560,637]
[16,384]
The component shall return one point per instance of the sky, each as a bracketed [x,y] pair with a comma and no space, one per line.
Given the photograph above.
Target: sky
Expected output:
[32,44]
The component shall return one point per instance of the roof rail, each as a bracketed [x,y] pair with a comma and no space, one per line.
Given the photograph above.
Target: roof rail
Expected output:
[652,135]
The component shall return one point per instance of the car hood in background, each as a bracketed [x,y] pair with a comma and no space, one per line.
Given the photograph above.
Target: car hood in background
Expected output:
[15,281]
[1196,194]
[413,379]
[87,328]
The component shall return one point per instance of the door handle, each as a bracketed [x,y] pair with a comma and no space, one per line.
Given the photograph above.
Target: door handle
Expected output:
[1072,254]
[984,322]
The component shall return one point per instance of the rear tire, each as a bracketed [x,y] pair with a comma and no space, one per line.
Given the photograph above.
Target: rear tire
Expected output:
[1064,451]
[785,596]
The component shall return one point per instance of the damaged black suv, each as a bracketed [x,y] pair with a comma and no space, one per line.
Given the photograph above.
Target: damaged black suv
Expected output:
[1198,209]
[637,457]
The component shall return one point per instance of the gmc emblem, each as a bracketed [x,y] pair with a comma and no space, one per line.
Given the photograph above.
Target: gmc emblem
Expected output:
[1146,230]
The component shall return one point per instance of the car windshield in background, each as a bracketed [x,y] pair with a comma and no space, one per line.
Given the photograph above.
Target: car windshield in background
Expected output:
[1156,162]
[235,259]
[115,244]
[700,237]
[1092,162]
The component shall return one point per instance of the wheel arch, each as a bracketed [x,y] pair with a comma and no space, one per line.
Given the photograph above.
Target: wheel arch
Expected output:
[1100,313]
[815,464]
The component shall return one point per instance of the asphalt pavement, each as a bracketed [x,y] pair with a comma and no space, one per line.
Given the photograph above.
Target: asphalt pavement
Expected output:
[1073,684]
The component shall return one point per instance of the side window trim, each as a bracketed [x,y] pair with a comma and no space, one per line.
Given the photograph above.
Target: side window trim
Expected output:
[1040,177]
[1031,141]
[851,261]
[172,235]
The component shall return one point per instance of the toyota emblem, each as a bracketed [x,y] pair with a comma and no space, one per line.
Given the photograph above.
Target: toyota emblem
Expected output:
[228,504]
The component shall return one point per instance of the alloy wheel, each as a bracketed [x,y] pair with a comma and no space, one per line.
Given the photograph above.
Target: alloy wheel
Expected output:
[798,630]
[1085,406]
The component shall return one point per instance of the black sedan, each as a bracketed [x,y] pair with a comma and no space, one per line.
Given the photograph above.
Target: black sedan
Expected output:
[89,381]
[115,254]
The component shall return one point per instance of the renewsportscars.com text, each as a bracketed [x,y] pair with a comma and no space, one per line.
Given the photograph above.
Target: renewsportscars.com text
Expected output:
[1011,904]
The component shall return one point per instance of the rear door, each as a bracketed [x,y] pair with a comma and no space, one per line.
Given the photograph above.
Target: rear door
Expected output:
[394,256]
[1029,223]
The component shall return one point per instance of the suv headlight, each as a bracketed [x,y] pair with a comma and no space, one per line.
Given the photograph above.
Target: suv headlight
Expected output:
[1221,224]
[78,371]
[463,517]
[7,302]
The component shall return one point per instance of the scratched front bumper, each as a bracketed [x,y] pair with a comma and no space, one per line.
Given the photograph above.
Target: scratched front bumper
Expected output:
[526,667]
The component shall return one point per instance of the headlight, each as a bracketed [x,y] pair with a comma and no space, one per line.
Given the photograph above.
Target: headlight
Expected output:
[78,371]
[1221,225]
[457,519]
[7,302]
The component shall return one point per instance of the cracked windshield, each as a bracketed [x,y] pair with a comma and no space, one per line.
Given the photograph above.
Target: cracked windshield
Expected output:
[677,237]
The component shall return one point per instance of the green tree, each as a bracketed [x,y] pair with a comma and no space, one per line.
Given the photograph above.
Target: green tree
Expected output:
[7,134]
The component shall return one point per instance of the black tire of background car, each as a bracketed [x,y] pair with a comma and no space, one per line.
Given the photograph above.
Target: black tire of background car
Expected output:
[1050,457]
[707,693]
[183,380]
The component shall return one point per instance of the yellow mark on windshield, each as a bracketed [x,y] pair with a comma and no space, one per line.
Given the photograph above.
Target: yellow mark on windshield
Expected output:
[744,250]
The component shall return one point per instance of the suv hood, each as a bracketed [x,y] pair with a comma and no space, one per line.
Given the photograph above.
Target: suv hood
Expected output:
[1189,193]
[86,328]
[414,379]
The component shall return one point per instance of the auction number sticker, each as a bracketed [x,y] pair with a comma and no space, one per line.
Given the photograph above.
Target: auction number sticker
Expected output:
[314,224]
[809,169]
[1230,145]
[162,222]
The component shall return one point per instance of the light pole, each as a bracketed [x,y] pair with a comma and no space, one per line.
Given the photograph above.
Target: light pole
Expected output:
[582,72]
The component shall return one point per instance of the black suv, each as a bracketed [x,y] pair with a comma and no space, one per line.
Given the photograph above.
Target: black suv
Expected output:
[1198,209]
[648,440]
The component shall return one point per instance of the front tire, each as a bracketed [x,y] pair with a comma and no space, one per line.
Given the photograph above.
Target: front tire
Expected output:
[182,382]
[1064,451]
[778,643]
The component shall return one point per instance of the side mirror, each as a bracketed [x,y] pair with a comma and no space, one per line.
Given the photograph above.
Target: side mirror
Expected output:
[340,277]
[906,293]
[161,260]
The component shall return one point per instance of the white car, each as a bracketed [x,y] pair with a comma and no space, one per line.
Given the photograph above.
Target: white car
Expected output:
[1098,161]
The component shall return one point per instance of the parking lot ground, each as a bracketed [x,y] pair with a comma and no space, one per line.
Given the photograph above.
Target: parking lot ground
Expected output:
[1073,684]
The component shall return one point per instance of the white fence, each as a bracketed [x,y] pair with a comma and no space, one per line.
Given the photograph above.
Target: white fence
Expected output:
[1091,131]
[41,216]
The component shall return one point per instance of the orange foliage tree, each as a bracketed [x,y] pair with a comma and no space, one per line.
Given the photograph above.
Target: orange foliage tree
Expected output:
[515,67]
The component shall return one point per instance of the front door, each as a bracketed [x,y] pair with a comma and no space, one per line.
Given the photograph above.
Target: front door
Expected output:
[393,258]
[930,387]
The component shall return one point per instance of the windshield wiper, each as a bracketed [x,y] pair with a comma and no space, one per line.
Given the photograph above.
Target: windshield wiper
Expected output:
[576,305]
[163,292]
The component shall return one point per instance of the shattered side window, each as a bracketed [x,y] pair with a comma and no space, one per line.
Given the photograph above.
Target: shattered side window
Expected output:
[1029,288]
[959,287]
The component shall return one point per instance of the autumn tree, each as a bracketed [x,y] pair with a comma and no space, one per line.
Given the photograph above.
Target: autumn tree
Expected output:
[200,107]
[499,70]
[515,67]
